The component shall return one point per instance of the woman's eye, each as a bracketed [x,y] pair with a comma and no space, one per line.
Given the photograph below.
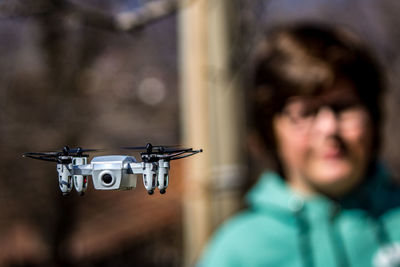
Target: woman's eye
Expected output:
[299,110]
[308,112]
[344,106]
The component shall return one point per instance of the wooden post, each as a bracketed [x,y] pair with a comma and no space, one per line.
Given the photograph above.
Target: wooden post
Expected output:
[193,42]
[212,118]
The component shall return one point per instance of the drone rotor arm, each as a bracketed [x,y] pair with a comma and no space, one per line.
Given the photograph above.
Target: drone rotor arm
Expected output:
[84,169]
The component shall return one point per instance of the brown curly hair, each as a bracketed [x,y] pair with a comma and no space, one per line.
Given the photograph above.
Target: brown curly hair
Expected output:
[307,60]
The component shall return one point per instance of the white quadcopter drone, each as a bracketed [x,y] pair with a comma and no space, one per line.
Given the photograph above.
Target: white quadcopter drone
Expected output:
[116,171]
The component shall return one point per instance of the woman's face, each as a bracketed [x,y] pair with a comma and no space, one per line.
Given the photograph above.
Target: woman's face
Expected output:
[324,142]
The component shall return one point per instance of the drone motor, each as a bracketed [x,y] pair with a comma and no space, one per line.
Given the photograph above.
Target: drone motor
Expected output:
[149,174]
[64,178]
[162,175]
[80,181]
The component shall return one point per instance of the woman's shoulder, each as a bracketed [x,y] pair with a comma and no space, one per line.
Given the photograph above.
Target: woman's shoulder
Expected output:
[253,222]
[249,234]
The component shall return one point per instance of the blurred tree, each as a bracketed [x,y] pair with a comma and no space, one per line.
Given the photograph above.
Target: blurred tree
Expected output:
[66,83]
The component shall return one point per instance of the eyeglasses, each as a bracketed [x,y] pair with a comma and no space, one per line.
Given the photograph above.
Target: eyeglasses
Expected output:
[303,113]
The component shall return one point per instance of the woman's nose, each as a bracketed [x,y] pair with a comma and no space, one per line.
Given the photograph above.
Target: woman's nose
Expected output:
[326,122]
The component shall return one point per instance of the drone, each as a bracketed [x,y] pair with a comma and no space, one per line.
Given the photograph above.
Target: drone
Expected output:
[113,172]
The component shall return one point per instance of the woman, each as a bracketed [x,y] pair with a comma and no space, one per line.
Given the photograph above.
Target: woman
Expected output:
[316,106]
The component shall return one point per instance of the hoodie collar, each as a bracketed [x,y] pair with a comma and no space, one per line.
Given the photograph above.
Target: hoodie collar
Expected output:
[272,193]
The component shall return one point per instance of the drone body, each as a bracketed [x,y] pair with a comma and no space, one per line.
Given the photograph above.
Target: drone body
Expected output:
[113,172]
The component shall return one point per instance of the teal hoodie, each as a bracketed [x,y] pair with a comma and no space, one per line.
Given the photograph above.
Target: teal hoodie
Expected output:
[281,228]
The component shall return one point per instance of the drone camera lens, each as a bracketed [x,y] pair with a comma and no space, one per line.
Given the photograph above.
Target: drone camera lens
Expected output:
[107,178]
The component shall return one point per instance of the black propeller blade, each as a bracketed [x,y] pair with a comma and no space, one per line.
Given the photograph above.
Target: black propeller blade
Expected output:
[79,150]
[61,156]
[40,157]
[47,154]
[182,154]
[157,150]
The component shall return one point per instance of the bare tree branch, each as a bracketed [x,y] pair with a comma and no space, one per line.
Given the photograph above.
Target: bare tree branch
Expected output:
[10,9]
[151,12]
[92,17]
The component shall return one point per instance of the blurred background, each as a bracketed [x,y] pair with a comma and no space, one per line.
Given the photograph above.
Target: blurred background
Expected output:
[108,74]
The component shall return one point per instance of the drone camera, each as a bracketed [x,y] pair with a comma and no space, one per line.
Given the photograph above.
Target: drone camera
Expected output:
[107,178]
[112,172]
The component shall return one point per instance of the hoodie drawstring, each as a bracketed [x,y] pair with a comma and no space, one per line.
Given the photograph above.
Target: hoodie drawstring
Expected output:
[305,249]
[337,241]
[381,233]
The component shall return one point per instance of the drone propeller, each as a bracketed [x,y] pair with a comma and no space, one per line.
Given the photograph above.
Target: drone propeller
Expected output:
[157,150]
[63,156]
[45,158]
[150,153]
[78,151]
[182,154]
